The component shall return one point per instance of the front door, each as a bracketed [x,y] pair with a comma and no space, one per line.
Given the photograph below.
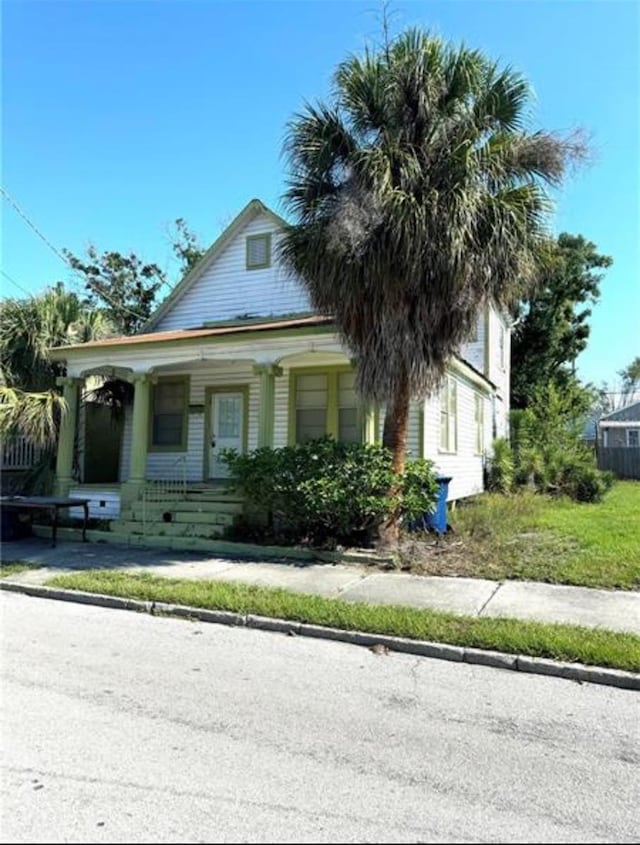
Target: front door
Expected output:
[227,429]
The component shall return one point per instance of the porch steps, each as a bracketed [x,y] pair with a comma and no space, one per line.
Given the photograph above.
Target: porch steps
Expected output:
[156,509]
[208,531]
[204,513]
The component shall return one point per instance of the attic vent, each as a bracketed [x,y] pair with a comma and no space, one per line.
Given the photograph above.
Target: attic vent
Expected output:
[258,251]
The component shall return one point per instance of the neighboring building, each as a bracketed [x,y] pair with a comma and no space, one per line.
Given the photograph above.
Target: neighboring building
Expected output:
[618,443]
[234,358]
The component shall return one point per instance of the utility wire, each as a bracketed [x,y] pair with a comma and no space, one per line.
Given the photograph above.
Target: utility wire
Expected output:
[62,257]
[13,282]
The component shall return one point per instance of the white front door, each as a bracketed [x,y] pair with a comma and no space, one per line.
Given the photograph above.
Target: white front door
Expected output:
[227,427]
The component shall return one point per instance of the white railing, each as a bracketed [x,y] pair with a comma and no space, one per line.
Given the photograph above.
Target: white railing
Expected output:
[173,487]
[19,453]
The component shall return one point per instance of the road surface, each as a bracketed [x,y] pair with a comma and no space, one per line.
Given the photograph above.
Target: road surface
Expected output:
[119,727]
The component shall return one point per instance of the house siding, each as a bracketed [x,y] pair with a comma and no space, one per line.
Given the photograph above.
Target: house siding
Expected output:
[163,464]
[473,352]
[228,291]
[464,466]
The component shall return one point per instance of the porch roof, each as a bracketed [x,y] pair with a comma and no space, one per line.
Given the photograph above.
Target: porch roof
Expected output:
[193,334]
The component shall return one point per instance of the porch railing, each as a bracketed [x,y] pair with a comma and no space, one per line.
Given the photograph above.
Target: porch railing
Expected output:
[172,487]
[19,453]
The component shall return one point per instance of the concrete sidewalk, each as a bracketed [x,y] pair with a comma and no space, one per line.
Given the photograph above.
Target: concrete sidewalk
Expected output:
[615,610]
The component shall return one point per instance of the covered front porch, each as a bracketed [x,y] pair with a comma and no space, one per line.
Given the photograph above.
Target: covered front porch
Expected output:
[189,402]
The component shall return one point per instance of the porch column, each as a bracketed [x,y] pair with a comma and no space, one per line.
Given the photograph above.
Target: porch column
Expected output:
[371,424]
[267,374]
[140,427]
[67,435]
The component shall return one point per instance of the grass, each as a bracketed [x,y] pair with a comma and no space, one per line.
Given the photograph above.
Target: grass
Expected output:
[596,647]
[539,538]
[12,567]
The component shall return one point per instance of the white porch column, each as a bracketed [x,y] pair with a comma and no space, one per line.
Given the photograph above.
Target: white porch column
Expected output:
[67,435]
[266,410]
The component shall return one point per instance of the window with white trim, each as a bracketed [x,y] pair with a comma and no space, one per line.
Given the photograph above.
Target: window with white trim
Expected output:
[479,420]
[633,437]
[259,251]
[448,416]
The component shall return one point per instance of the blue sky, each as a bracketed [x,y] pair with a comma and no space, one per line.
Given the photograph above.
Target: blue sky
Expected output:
[120,116]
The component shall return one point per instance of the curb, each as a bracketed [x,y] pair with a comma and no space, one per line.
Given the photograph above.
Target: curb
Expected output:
[441,651]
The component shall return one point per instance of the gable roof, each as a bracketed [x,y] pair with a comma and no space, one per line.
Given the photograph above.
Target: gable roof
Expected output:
[251,209]
[629,413]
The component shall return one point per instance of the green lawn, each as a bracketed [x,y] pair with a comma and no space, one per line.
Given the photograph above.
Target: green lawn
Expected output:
[12,567]
[539,538]
[562,642]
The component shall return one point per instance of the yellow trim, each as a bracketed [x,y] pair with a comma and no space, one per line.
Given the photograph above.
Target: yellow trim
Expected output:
[451,388]
[208,396]
[332,372]
[184,443]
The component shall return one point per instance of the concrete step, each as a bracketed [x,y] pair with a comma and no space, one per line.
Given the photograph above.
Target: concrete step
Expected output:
[167,529]
[195,518]
[154,510]
[213,495]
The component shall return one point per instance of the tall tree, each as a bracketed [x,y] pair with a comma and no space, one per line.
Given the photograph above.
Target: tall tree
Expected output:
[630,376]
[186,246]
[29,400]
[553,326]
[124,286]
[417,194]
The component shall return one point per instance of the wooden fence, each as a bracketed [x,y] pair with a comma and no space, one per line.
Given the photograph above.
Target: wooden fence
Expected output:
[624,461]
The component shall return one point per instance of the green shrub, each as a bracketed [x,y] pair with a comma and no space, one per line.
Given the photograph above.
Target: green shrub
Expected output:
[325,492]
[548,450]
[581,480]
[500,470]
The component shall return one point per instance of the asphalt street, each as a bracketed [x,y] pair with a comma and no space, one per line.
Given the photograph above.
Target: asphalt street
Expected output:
[119,727]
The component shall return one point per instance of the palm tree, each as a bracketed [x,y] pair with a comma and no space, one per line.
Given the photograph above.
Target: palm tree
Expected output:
[30,404]
[417,196]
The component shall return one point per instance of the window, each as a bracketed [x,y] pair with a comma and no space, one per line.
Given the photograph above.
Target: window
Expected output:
[325,403]
[259,251]
[448,416]
[501,342]
[311,407]
[169,415]
[348,417]
[479,418]
[633,437]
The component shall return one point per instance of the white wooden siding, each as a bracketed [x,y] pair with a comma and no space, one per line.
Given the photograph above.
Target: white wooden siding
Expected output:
[464,466]
[163,464]
[228,291]
[473,352]
[103,504]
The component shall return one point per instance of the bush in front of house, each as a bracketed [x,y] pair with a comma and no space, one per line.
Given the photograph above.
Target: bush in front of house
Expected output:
[325,493]
[547,452]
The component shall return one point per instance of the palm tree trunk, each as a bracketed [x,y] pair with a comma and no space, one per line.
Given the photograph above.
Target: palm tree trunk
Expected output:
[394,437]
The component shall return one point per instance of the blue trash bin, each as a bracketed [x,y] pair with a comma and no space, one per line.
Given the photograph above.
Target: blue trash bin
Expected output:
[437,519]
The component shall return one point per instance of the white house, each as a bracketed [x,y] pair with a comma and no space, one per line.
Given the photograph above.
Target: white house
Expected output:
[234,357]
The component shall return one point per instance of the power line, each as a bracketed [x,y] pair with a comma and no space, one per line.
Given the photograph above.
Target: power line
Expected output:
[13,282]
[62,257]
